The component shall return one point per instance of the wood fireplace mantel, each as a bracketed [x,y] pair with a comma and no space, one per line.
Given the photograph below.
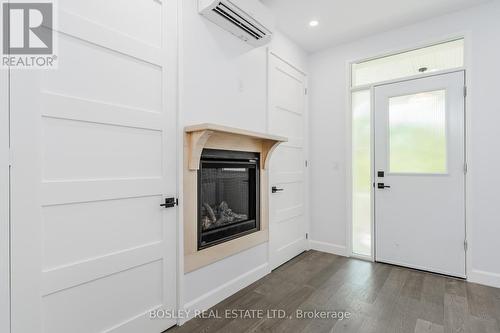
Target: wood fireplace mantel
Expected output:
[196,138]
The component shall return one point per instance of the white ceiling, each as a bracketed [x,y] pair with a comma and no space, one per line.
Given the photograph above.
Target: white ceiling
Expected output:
[346,20]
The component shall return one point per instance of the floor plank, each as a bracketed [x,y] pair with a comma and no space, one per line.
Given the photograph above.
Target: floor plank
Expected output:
[428,327]
[379,298]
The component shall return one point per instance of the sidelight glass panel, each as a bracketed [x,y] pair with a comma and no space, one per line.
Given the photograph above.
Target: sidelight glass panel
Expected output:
[417,133]
[361,176]
[429,59]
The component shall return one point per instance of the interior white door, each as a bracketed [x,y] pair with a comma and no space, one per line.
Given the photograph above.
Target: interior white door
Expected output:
[93,158]
[287,117]
[419,173]
[4,200]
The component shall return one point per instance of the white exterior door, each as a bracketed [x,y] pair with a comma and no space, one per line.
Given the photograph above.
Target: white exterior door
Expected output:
[287,117]
[419,174]
[93,158]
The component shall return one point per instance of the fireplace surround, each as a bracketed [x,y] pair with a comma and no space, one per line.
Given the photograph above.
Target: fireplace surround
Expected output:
[225,196]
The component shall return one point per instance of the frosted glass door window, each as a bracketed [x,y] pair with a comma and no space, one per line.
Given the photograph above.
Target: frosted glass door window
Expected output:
[417,133]
[361,178]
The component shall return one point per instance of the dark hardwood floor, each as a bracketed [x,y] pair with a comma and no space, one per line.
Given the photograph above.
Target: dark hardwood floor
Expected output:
[380,298]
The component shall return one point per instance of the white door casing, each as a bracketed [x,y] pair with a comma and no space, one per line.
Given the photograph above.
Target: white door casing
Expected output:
[94,155]
[420,219]
[287,117]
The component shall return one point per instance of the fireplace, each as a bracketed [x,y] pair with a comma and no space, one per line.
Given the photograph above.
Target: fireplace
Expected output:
[228,196]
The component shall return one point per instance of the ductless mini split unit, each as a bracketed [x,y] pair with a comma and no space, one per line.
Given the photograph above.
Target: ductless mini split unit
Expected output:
[248,20]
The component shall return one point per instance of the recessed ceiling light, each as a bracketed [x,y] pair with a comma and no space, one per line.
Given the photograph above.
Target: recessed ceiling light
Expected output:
[313,23]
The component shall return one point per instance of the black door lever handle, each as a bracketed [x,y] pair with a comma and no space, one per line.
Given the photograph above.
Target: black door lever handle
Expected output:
[170,202]
[274,189]
[382,186]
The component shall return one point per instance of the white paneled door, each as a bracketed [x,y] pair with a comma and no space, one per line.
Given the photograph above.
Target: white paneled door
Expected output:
[93,158]
[287,117]
[419,170]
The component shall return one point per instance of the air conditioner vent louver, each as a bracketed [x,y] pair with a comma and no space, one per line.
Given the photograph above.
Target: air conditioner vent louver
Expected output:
[249,20]
[238,20]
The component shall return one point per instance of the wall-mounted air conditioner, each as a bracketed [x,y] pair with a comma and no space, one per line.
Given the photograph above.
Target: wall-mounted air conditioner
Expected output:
[248,20]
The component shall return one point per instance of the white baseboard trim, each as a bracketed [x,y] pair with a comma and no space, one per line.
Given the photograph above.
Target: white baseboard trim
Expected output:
[483,277]
[217,295]
[285,253]
[328,248]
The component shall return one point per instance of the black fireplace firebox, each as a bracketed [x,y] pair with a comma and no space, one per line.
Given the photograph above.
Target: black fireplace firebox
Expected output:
[228,196]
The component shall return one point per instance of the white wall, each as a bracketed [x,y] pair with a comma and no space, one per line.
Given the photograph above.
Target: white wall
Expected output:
[224,81]
[329,111]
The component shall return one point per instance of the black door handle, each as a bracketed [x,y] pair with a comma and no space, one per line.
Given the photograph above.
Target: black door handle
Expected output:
[274,189]
[170,202]
[382,186]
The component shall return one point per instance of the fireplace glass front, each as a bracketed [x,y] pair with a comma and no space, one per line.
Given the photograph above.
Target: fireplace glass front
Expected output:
[228,196]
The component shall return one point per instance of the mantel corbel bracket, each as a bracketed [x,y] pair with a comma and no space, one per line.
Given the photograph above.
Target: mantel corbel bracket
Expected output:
[197,141]
[268,148]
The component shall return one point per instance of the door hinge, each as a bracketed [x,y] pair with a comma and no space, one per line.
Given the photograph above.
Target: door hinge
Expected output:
[11,157]
[466,168]
[305,91]
[465,91]
[307,235]
[307,163]
[466,246]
